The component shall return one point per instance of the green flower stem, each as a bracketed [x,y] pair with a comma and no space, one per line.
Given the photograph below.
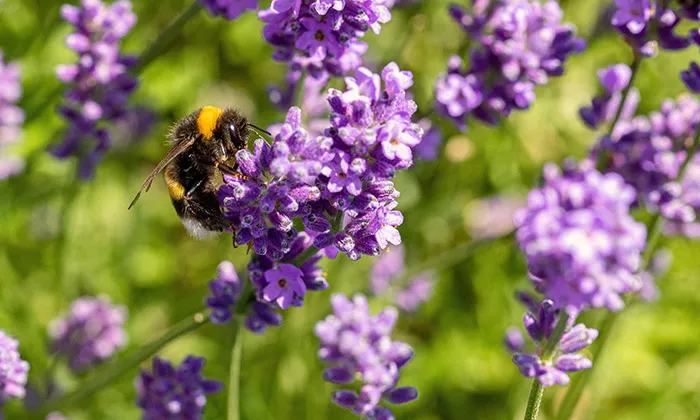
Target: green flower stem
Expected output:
[159,46]
[70,196]
[166,37]
[534,401]
[234,379]
[112,372]
[537,391]
[655,230]
[636,63]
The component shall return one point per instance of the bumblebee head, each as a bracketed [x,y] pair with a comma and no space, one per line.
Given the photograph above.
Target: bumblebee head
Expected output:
[223,132]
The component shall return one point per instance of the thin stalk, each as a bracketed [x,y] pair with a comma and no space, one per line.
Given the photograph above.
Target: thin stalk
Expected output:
[625,92]
[234,379]
[534,401]
[655,230]
[166,37]
[447,258]
[110,373]
[69,197]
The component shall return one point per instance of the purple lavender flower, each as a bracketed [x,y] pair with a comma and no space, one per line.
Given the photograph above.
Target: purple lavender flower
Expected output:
[360,347]
[691,77]
[228,9]
[99,82]
[13,370]
[552,369]
[174,393]
[644,26]
[281,284]
[648,151]
[90,333]
[582,245]
[321,37]
[385,271]
[429,148]
[338,185]
[225,291]
[660,263]
[614,79]
[514,340]
[11,118]
[516,45]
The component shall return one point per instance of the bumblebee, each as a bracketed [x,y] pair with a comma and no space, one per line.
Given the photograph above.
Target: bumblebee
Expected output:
[204,144]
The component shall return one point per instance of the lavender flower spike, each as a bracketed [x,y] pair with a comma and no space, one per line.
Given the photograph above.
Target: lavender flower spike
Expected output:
[228,9]
[90,333]
[13,370]
[11,118]
[583,247]
[517,44]
[225,291]
[359,346]
[174,393]
[98,84]
[553,368]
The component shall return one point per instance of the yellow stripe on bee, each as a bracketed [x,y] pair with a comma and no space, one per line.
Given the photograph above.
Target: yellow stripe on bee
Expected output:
[207,119]
[176,190]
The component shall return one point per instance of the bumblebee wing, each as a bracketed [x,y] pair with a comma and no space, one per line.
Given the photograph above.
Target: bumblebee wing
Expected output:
[176,151]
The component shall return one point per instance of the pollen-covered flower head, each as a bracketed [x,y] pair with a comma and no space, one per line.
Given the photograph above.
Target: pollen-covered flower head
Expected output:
[581,243]
[91,332]
[554,368]
[360,348]
[516,45]
[168,392]
[13,370]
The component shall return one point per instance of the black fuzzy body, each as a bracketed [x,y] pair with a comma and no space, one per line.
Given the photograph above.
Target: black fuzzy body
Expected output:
[198,170]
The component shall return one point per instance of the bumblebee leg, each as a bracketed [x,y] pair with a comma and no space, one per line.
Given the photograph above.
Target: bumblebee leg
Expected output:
[194,188]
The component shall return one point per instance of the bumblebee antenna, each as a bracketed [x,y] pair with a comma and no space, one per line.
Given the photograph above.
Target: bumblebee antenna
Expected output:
[260,129]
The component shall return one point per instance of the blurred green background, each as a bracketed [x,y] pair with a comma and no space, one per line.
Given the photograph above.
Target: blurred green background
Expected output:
[60,239]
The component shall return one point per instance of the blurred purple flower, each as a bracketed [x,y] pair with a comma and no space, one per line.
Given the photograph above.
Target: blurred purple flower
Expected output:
[90,333]
[99,83]
[225,291]
[644,25]
[429,148]
[321,37]
[13,370]
[691,77]
[174,393]
[582,245]
[228,9]
[491,217]
[516,45]
[133,126]
[11,118]
[660,263]
[614,79]
[359,346]
[648,151]
[514,340]
[387,268]
[565,359]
